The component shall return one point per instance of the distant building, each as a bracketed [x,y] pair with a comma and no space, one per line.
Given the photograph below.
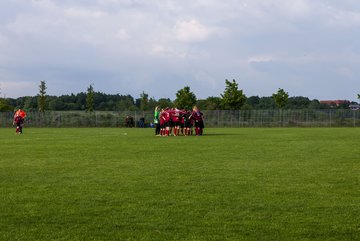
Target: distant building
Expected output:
[354,107]
[334,103]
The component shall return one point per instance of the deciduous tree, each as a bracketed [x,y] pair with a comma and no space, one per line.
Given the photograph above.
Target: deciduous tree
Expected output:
[280,98]
[185,99]
[4,106]
[164,102]
[233,98]
[144,101]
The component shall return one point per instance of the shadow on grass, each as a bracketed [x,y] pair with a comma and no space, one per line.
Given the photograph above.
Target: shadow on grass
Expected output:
[222,134]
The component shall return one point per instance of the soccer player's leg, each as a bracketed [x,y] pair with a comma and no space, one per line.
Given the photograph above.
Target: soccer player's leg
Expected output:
[182,127]
[172,128]
[162,129]
[167,128]
[197,128]
[201,125]
[186,128]
[157,129]
[176,128]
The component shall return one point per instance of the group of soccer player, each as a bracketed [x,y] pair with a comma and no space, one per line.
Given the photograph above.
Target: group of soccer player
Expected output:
[172,121]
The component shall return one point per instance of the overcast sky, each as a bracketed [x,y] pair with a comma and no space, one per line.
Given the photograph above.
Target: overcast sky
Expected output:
[309,48]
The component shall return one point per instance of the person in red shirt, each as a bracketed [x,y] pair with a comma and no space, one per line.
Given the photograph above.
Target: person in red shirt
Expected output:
[198,117]
[185,122]
[19,120]
[162,123]
[176,119]
[166,116]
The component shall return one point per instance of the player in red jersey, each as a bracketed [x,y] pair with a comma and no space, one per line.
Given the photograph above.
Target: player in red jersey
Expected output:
[198,116]
[181,121]
[167,121]
[162,123]
[187,123]
[176,120]
[171,124]
[19,117]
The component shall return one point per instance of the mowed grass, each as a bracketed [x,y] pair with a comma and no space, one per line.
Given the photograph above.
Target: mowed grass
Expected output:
[231,184]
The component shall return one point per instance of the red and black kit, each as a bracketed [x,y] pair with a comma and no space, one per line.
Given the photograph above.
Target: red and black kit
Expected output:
[178,122]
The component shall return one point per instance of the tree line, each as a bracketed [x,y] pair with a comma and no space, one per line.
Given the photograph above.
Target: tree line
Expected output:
[232,98]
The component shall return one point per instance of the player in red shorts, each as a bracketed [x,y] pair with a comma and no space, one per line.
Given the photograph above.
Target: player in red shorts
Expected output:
[176,119]
[19,120]
[167,121]
[197,116]
[162,123]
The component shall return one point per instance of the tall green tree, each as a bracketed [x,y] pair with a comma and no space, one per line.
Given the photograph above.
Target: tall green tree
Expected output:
[42,96]
[90,99]
[163,103]
[125,103]
[185,99]
[144,101]
[213,103]
[314,105]
[3,105]
[298,102]
[280,98]
[253,101]
[266,103]
[233,98]
[152,103]
[30,103]
[359,97]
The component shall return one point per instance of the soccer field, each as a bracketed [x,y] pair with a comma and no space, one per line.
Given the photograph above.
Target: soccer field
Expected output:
[231,184]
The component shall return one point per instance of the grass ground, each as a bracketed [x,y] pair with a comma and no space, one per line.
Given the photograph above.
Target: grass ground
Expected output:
[232,184]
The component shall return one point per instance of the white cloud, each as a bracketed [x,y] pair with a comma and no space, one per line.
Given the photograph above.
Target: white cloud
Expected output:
[160,50]
[206,79]
[82,12]
[112,2]
[192,31]
[204,41]
[294,8]
[122,34]
[260,59]
[342,18]
[44,4]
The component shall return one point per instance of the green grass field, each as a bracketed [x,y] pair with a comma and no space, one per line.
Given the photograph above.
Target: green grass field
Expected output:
[232,184]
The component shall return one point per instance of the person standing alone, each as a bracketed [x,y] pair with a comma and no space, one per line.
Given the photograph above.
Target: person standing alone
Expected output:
[157,120]
[198,118]
[19,120]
